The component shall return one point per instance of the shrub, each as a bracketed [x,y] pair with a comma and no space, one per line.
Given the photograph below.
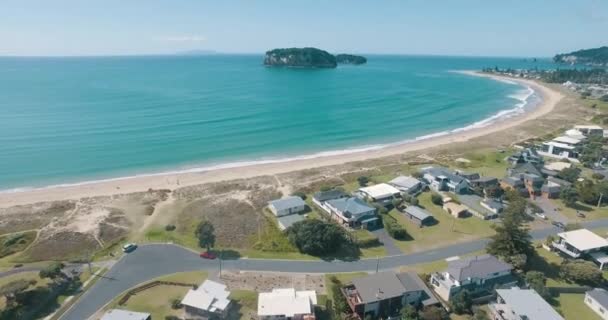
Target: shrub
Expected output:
[176,304]
[169,227]
[325,188]
[437,199]
[581,271]
[316,237]
[597,176]
[393,228]
[299,194]
[363,181]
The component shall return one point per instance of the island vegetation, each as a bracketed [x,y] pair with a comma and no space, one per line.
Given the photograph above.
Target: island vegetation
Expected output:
[350,59]
[308,58]
[592,57]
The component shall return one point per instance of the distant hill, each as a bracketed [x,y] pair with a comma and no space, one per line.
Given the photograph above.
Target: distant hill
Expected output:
[591,57]
[300,58]
[350,59]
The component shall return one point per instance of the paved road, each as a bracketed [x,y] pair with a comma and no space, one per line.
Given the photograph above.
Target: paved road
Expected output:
[387,241]
[152,261]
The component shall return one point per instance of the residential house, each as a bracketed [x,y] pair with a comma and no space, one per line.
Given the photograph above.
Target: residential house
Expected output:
[514,183]
[384,294]
[286,206]
[321,197]
[407,184]
[208,300]
[287,221]
[442,179]
[553,187]
[381,193]
[518,304]
[528,155]
[478,206]
[493,205]
[597,300]
[469,176]
[353,212]
[575,134]
[418,216]
[523,168]
[484,182]
[455,209]
[529,184]
[564,147]
[118,314]
[590,130]
[583,244]
[479,275]
[286,304]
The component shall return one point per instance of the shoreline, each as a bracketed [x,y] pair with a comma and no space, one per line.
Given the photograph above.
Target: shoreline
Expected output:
[243,170]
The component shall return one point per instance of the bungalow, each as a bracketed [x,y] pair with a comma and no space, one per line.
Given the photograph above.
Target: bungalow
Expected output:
[583,243]
[455,209]
[408,185]
[418,216]
[484,182]
[590,130]
[476,206]
[479,275]
[353,212]
[518,304]
[564,147]
[118,314]
[384,294]
[523,168]
[321,197]
[381,193]
[209,300]
[289,220]
[494,206]
[597,300]
[442,179]
[286,206]
[528,155]
[287,304]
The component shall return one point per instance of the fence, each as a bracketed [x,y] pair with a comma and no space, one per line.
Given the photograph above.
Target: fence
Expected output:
[149,285]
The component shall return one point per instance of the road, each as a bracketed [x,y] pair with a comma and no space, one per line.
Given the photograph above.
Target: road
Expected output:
[152,261]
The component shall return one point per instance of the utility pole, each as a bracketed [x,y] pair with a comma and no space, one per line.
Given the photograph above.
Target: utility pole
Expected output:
[221,252]
[377,263]
[600,200]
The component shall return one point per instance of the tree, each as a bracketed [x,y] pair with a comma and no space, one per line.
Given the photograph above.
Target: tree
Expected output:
[340,305]
[462,302]
[519,261]
[11,289]
[512,238]
[417,174]
[569,196]
[436,199]
[493,191]
[480,314]
[587,192]
[205,232]
[52,271]
[581,271]
[537,281]
[569,174]
[300,194]
[316,237]
[434,313]
[409,312]
[363,181]
[604,98]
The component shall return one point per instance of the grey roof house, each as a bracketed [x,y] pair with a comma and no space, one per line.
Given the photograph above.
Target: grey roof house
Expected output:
[407,184]
[517,304]
[352,211]
[286,206]
[119,314]
[418,215]
[442,179]
[597,300]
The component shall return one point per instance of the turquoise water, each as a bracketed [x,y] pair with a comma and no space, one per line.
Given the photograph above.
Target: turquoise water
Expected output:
[68,120]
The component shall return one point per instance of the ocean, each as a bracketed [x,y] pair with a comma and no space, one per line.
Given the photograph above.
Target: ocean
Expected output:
[69,120]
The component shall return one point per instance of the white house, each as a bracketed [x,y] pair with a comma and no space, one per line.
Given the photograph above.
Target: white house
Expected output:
[590,130]
[285,206]
[597,300]
[210,299]
[381,193]
[583,243]
[281,304]
[442,179]
[118,314]
[407,184]
[518,304]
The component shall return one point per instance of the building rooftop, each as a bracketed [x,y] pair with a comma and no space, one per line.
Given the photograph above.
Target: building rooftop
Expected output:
[599,295]
[476,267]
[286,203]
[588,127]
[559,145]
[209,296]
[528,304]
[567,140]
[379,191]
[583,239]
[405,182]
[493,204]
[288,220]
[329,195]
[118,314]
[352,205]
[443,172]
[558,165]
[385,285]
[418,212]
[286,302]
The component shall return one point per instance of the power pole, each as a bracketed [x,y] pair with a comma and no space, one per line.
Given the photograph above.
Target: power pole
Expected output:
[377,263]
[221,252]
[600,200]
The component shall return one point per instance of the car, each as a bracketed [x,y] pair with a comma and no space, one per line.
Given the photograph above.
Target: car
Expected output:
[558,224]
[207,255]
[541,215]
[129,247]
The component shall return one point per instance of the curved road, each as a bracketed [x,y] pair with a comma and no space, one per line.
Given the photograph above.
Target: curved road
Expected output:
[153,261]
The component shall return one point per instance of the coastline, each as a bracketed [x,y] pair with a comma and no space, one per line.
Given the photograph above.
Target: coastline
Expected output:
[174,180]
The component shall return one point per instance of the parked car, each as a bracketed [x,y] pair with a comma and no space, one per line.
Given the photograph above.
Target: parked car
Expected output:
[541,215]
[558,224]
[129,247]
[207,255]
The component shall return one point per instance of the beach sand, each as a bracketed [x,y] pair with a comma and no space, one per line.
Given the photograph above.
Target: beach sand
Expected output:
[550,98]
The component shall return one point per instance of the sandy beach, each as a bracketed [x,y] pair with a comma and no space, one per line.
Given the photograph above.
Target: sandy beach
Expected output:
[550,99]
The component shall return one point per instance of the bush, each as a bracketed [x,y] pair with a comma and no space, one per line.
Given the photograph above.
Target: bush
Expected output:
[299,194]
[582,272]
[169,227]
[437,199]
[176,304]
[325,188]
[172,318]
[363,181]
[462,302]
[316,237]
[393,228]
[597,176]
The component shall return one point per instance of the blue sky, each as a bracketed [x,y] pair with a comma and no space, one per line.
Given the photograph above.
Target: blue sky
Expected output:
[448,27]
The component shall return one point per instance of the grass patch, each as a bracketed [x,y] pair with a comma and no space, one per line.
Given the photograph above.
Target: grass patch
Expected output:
[486,163]
[246,304]
[571,306]
[591,212]
[16,242]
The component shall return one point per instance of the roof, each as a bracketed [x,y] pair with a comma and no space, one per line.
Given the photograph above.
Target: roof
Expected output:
[527,167]
[286,302]
[558,165]
[440,171]
[551,187]
[418,212]
[476,267]
[288,220]
[493,204]
[209,296]
[405,182]
[485,180]
[559,145]
[560,182]
[286,203]
[574,133]
[454,207]
[385,285]
[588,127]
[118,314]
[329,195]
[513,181]
[599,295]
[381,190]
[567,140]
[583,239]
[352,205]
[528,304]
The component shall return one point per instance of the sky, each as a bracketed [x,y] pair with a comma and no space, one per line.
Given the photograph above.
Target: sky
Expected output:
[522,28]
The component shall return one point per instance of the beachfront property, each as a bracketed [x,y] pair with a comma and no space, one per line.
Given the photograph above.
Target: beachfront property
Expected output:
[384,294]
[382,193]
[352,212]
[119,314]
[590,130]
[518,304]
[479,275]
[455,209]
[319,198]
[514,183]
[479,207]
[287,206]
[209,300]
[442,179]
[418,216]
[527,155]
[407,184]
[582,244]
[523,168]
[281,304]
[597,300]
[563,147]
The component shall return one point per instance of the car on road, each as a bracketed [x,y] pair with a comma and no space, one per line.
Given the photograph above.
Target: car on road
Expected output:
[129,247]
[541,215]
[558,224]
[208,255]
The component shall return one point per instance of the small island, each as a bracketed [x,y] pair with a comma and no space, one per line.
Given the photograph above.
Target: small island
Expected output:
[308,58]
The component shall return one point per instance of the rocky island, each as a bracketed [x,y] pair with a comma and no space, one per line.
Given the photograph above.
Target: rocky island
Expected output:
[308,58]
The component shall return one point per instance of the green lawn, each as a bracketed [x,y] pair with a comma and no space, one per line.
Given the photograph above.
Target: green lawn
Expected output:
[246,304]
[485,162]
[591,212]
[16,242]
[447,231]
[571,306]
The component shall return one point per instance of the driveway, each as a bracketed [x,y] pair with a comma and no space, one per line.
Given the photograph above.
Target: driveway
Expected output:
[550,210]
[387,240]
[155,260]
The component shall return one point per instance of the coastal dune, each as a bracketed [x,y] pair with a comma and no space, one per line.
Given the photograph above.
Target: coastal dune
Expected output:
[172,181]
